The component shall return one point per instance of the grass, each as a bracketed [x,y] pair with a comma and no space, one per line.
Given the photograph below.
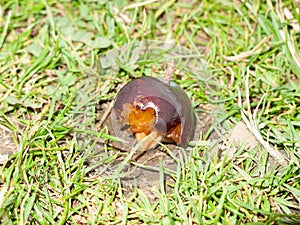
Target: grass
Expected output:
[52,87]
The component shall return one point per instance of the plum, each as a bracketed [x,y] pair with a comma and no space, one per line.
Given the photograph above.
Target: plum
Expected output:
[149,107]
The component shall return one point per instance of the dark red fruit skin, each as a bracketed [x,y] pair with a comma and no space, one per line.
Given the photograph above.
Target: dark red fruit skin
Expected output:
[171,102]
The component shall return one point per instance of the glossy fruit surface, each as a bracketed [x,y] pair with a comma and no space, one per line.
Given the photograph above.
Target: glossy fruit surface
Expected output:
[148,106]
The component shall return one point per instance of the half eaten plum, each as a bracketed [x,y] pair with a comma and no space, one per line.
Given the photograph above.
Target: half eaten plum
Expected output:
[151,110]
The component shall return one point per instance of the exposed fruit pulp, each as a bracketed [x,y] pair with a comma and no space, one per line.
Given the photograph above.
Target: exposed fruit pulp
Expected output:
[141,122]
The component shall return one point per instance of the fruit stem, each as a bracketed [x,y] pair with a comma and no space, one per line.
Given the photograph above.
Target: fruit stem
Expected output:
[169,74]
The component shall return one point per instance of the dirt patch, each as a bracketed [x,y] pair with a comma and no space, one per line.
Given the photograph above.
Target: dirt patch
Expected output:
[145,171]
[7,145]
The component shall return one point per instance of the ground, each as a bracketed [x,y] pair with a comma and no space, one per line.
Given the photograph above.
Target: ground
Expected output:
[62,64]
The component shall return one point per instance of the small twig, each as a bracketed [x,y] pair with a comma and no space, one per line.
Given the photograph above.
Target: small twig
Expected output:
[253,129]
[248,53]
[169,74]
[104,116]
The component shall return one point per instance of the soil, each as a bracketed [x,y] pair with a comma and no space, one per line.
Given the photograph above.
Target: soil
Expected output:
[143,172]
[7,145]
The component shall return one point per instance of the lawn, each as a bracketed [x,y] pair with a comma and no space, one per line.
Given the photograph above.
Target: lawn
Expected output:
[62,64]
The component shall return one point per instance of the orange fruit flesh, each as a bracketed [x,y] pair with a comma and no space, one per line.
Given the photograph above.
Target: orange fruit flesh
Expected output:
[141,123]
[174,133]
